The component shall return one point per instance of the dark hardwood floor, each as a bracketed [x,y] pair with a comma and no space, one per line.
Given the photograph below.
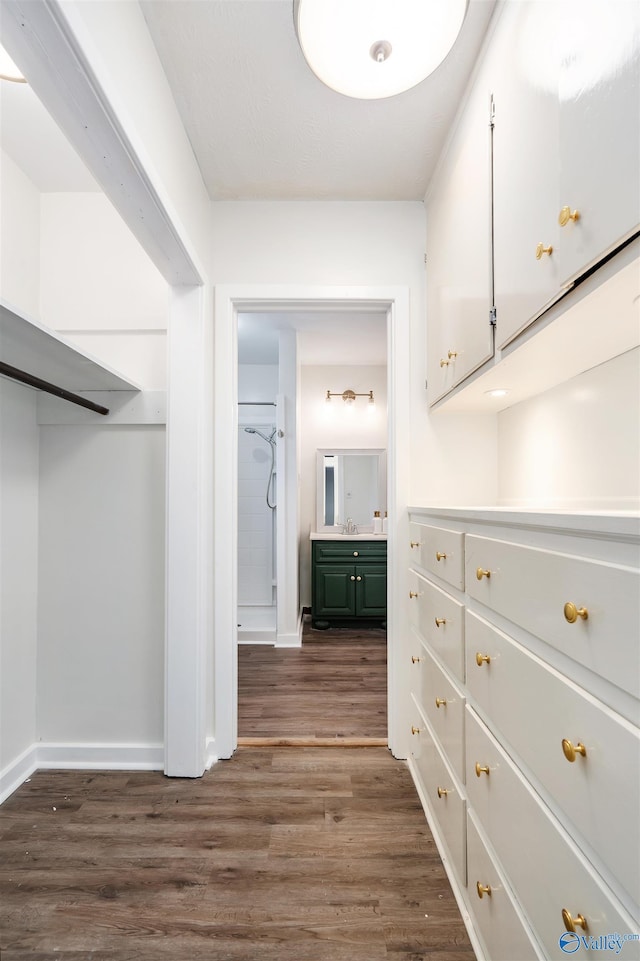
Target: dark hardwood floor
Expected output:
[333,687]
[279,854]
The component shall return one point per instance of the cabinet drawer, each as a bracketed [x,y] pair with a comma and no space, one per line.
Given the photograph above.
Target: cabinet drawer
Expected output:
[439,551]
[536,708]
[531,587]
[504,934]
[443,705]
[357,551]
[445,801]
[541,862]
[439,618]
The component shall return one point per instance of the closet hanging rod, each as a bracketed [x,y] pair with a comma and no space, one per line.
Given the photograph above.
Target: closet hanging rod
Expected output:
[20,375]
[257,403]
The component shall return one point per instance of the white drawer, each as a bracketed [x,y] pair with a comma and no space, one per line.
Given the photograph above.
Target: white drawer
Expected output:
[443,797]
[439,551]
[535,708]
[541,862]
[443,704]
[504,934]
[439,618]
[530,587]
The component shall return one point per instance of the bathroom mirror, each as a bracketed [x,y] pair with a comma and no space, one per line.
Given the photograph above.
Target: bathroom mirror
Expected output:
[350,484]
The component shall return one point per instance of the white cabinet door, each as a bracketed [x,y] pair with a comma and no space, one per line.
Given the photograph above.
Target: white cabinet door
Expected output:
[459,289]
[599,97]
[525,163]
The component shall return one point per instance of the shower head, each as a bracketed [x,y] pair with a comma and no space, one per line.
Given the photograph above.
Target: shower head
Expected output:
[254,430]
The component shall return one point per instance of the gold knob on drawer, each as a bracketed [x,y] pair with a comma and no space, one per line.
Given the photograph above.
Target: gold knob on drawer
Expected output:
[415,660]
[481,770]
[440,556]
[566,214]
[541,249]
[570,922]
[443,791]
[444,363]
[482,659]
[452,354]
[480,573]
[441,702]
[571,750]
[483,889]
[414,543]
[440,620]
[415,730]
[572,613]
[412,594]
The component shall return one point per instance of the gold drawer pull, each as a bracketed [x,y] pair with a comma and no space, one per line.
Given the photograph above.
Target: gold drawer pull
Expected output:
[571,750]
[441,702]
[452,354]
[443,791]
[356,554]
[566,214]
[415,660]
[440,556]
[483,889]
[482,659]
[572,613]
[440,620]
[481,770]
[412,594]
[480,573]
[444,363]
[414,544]
[415,730]
[541,249]
[570,922]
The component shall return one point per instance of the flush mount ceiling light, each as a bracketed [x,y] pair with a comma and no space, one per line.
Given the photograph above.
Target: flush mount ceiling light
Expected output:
[8,69]
[372,49]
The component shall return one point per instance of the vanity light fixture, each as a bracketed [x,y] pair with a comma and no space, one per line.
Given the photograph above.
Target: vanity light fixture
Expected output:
[8,69]
[349,396]
[371,49]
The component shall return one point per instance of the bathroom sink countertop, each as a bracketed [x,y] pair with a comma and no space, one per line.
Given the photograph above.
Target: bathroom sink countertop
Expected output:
[331,536]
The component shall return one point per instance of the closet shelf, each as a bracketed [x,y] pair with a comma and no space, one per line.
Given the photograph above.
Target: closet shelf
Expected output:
[30,346]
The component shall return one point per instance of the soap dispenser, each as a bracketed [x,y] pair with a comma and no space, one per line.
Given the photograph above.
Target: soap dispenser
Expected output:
[377,523]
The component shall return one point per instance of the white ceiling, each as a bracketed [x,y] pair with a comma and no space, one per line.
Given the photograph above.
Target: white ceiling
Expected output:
[325,338]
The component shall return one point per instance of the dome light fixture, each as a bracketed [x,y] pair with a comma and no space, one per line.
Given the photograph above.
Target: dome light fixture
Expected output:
[372,49]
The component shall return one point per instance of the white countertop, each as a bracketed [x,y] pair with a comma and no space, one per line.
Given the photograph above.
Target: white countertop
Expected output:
[331,536]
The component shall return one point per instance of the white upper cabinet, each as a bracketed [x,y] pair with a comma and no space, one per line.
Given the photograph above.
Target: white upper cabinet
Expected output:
[566,82]
[459,290]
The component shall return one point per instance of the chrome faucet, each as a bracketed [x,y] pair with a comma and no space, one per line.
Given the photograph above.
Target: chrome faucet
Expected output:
[349,527]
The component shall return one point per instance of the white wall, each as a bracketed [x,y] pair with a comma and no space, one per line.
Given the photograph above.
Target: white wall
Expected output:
[576,446]
[334,425]
[18,573]
[101,577]
[19,239]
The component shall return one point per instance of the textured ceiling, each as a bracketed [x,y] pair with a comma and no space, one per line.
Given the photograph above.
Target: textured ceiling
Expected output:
[263,127]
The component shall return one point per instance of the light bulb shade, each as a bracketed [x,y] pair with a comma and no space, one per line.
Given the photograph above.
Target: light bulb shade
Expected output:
[372,49]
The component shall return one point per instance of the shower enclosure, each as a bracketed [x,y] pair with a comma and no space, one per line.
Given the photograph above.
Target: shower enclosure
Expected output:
[257,528]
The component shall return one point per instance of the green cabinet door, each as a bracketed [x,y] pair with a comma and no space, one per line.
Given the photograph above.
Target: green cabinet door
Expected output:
[334,590]
[371,591]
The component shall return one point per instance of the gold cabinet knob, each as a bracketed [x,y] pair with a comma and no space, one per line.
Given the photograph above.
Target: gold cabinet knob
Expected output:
[481,770]
[415,660]
[415,730]
[572,613]
[414,544]
[570,922]
[452,354]
[483,889]
[444,363]
[541,249]
[571,750]
[353,577]
[356,554]
[482,659]
[441,702]
[566,214]
[480,573]
[412,594]
[443,791]
[440,556]
[440,620]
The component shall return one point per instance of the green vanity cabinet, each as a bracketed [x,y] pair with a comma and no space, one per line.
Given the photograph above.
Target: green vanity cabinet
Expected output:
[349,581]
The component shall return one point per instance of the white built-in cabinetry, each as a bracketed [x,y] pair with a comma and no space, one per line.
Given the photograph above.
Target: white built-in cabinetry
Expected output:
[525,700]
[562,154]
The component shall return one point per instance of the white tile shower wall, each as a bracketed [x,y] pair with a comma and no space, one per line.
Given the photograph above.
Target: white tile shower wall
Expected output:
[255,521]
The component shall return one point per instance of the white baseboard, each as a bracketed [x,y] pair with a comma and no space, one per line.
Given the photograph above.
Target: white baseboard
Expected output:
[211,755]
[17,772]
[108,757]
[291,640]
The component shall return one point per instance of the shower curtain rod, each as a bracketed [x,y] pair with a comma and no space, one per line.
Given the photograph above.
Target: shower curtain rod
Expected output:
[257,403]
